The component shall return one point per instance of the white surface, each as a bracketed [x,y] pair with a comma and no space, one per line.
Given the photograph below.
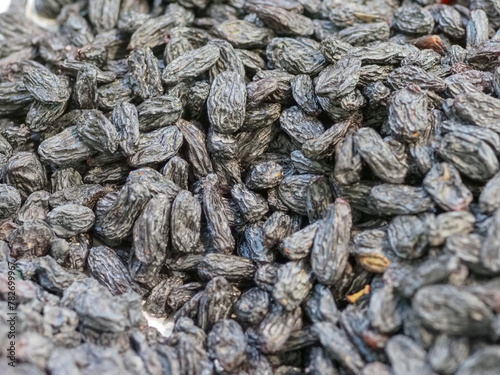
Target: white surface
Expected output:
[4,4]
[164,326]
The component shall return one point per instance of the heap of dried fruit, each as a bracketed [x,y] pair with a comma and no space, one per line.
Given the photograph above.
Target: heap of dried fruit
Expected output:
[304,186]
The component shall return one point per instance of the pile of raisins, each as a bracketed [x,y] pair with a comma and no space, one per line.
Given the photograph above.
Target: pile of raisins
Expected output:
[301,186]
